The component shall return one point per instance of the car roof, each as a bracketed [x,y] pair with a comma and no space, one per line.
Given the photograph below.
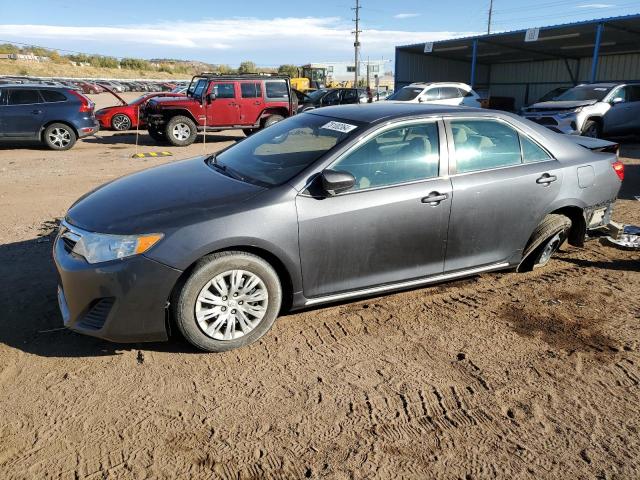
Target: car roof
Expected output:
[430,84]
[375,112]
[39,86]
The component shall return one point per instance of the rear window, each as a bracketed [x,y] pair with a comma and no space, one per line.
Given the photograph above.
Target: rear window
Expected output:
[406,93]
[52,96]
[276,90]
[24,97]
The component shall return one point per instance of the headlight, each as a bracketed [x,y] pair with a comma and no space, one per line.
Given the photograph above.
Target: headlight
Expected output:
[571,113]
[97,247]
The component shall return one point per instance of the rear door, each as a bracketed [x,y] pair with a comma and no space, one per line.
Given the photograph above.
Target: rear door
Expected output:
[624,115]
[24,113]
[503,183]
[224,110]
[251,102]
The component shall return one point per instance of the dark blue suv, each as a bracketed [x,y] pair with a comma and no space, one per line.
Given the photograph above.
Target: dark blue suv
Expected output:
[56,116]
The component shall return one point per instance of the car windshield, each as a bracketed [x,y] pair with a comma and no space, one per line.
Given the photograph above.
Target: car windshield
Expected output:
[585,92]
[280,152]
[406,93]
[317,95]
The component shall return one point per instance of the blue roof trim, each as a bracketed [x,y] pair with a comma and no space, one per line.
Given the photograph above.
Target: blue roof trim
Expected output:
[634,16]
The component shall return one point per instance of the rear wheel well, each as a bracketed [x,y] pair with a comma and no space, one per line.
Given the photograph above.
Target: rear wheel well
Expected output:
[274,111]
[283,275]
[578,224]
[46,125]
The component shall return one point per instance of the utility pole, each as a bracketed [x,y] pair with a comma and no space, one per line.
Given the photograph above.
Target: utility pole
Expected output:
[490,15]
[356,44]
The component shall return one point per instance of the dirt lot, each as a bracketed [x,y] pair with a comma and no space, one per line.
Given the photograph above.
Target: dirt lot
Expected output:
[504,375]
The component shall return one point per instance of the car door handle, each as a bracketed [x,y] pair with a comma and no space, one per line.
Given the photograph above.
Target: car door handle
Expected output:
[36,112]
[546,179]
[434,198]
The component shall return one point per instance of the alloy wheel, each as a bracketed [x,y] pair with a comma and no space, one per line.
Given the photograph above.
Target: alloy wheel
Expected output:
[181,131]
[121,122]
[60,137]
[231,305]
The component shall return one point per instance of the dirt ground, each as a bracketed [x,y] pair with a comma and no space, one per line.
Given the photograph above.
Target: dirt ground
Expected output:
[502,375]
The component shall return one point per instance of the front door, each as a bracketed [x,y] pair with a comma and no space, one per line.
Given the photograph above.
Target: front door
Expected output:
[624,115]
[224,110]
[251,102]
[24,113]
[390,227]
[503,184]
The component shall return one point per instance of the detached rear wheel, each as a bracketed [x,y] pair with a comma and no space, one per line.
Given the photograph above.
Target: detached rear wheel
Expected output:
[181,131]
[230,300]
[546,240]
[157,134]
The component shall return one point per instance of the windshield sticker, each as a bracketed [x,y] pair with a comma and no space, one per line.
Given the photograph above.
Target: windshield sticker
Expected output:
[339,127]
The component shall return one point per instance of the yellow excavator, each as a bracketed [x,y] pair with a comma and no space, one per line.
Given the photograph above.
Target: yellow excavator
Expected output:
[310,78]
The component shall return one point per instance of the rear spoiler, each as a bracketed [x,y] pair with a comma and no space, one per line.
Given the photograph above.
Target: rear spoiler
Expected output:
[594,144]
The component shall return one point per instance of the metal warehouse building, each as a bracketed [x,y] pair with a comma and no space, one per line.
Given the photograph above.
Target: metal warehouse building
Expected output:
[525,64]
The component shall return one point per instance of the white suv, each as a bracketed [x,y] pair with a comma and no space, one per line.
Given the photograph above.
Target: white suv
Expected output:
[443,93]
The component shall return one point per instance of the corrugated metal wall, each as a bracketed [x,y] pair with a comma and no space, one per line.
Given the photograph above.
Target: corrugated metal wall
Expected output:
[524,81]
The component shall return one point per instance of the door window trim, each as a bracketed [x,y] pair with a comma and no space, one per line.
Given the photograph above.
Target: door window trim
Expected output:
[442,150]
[453,172]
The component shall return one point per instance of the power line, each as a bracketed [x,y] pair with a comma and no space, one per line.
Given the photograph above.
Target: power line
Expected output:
[356,44]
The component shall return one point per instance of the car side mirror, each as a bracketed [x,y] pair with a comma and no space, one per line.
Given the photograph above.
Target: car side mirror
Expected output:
[334,182]
[617,100]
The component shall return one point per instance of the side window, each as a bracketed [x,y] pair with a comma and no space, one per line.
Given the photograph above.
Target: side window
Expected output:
[350,96]
[3,96]
[620,93]
[484,144]
[276,90]
[52,96]
[532,152]
[250,90]
[225,90]
[23,97]
[432,94]
[634,93]
[400,155]
[331,98]
[449,92]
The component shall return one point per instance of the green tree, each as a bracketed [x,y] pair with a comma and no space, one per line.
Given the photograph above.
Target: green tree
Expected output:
[134,64]
[224,69]
[8,48]
[247,67]
[290,70]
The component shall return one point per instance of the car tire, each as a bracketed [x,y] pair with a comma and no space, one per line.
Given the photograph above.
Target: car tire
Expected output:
[156,134]
[546,239]
[59,136]
[198,291]
[181,131]
[591,129]
[249,131]
[121,122]
[271,120]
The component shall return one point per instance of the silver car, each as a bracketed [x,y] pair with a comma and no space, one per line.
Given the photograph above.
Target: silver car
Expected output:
[593,110]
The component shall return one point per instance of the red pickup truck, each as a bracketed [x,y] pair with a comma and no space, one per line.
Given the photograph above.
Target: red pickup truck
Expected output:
[220,102]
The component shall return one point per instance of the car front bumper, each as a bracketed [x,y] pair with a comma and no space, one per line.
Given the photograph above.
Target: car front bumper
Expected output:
[121,301]
[567,125]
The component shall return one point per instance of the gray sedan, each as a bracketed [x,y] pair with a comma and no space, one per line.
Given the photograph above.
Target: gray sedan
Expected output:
[332,204]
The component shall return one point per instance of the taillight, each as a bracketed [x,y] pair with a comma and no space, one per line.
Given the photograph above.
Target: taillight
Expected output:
[86,105]
[618,167]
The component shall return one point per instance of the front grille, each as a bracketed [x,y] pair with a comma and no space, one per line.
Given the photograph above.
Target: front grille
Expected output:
[546,121]
[68,244]
[98,312]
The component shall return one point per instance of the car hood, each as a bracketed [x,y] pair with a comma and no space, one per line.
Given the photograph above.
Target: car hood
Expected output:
[560,105]
[160,199]
[120,99]
[171,101]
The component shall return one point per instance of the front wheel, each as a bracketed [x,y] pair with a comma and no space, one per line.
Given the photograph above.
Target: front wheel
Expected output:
[591,129]
[121,122]
[181,131]
[157,134]
[230,300]
[59,136]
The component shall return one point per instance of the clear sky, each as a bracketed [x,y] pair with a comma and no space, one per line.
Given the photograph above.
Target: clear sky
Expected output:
[272,32]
